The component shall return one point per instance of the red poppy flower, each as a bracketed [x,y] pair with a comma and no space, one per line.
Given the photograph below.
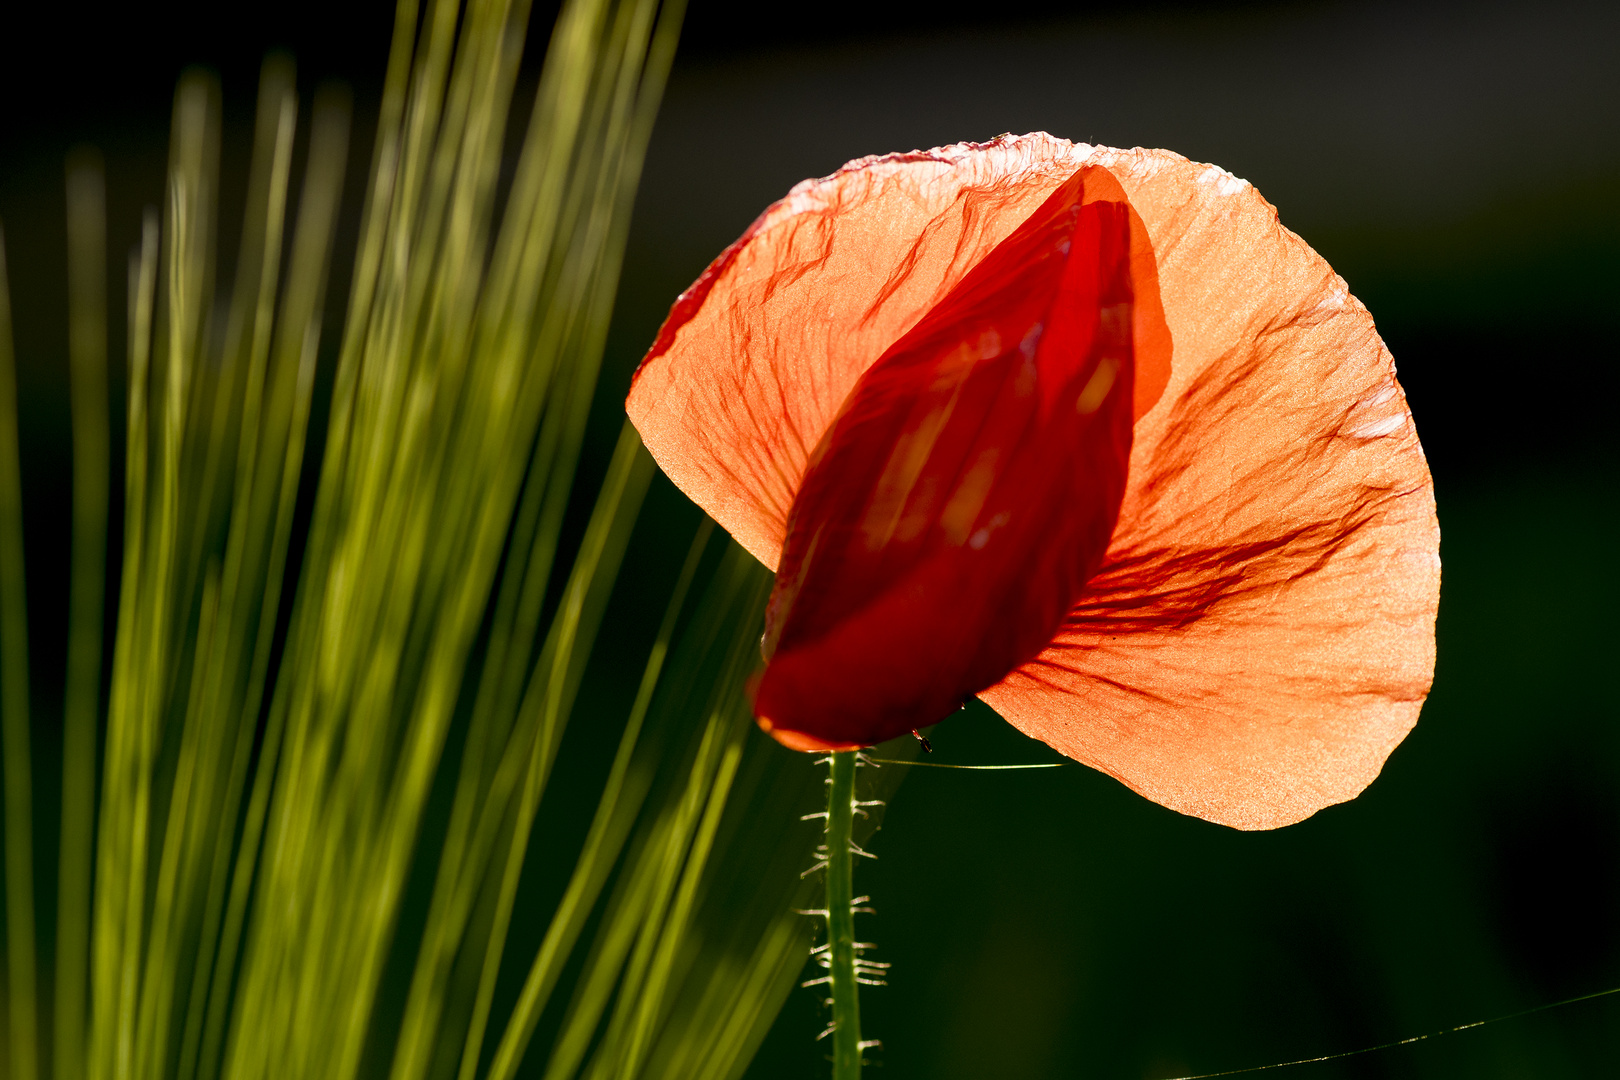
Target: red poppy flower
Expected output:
[1083,431]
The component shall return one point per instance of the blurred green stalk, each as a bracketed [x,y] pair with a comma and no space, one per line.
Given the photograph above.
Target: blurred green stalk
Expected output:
[87,366]
[14,719]
[288,689]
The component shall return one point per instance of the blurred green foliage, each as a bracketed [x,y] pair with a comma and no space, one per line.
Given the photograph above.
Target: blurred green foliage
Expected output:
[340,684]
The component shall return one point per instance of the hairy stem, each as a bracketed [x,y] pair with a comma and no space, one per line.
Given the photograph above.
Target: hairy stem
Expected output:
[846,1003]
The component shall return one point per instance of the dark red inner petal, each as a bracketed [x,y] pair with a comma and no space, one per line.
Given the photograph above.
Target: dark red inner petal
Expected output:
[954,511]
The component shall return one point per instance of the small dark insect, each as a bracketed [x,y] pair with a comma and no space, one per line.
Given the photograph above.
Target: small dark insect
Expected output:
[927,746]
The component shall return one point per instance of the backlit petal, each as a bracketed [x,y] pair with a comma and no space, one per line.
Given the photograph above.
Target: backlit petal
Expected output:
[953,512]
[757,357]
[1261,635]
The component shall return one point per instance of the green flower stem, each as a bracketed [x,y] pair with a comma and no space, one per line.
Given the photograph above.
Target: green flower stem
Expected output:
[846,1001]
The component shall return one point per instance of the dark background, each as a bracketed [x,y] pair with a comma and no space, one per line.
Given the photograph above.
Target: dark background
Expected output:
[1458,164]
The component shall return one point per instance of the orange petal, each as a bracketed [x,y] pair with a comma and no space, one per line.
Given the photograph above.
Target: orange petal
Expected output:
[757,357]
[1261,635]
[954,511]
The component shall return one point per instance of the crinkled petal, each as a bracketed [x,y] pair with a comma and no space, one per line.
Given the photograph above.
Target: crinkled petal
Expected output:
[1260,635]
[758,356]
[967,491]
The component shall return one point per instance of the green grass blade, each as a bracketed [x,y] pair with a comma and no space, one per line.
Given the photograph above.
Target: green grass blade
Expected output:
[256,841]
[269,463]
[746,944]
[573,630]
[23,1031]
[622,949]
[87,360]
[147,659]
[649,1003]
[418,492]
[621,798]
[112,863]
[209,725]
[662,948]
[715,654]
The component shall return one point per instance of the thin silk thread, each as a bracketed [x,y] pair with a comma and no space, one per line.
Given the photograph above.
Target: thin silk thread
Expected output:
[1406,1041]
[942,765]
[1310,1060]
